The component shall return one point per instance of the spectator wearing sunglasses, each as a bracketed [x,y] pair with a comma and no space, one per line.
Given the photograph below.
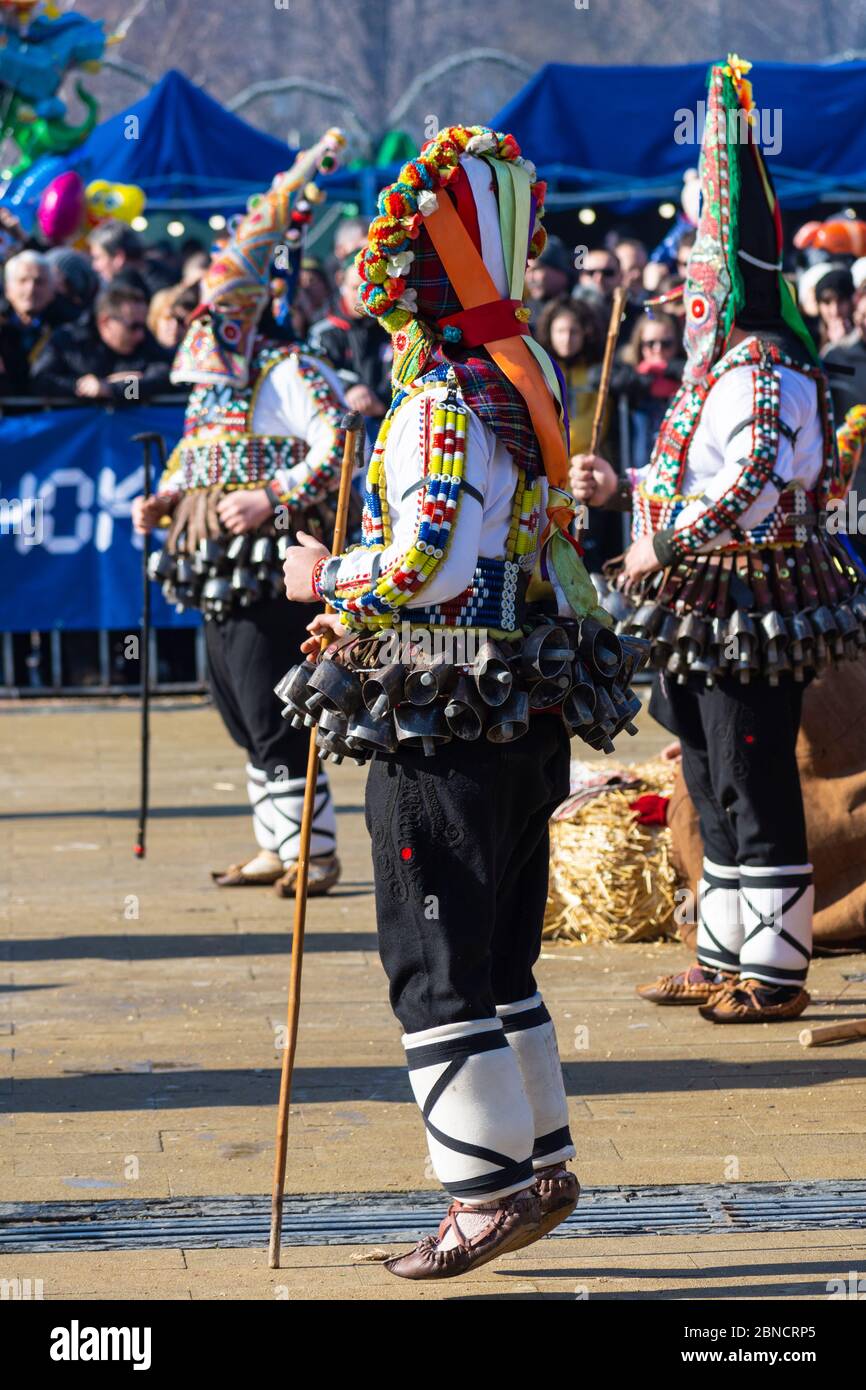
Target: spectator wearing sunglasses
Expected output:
[110,355]
[601,272]
[168,316]
[654,355]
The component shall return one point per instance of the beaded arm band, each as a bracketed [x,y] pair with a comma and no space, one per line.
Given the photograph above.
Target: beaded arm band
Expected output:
[756,470]
[373,599]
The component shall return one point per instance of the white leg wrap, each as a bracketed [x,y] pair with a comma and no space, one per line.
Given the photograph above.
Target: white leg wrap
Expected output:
[720,923]
[480,1131]
[777,904]
[287,806]
[263,816]
[532,1038]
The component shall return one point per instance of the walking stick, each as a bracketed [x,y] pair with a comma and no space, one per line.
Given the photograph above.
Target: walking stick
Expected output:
[616,312]
[145,440]
[351,423]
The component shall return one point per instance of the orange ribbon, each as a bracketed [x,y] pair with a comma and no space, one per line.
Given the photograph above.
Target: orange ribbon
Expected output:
[474,285]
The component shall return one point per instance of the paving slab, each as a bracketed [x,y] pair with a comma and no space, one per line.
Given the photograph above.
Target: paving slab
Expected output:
[139,1009]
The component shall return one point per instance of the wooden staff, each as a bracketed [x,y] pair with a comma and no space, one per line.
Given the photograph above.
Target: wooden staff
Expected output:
[616,312]
[833,1032]
[145,440]
[352,424]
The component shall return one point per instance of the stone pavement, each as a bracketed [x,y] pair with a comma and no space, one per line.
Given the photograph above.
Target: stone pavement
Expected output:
[138,1011]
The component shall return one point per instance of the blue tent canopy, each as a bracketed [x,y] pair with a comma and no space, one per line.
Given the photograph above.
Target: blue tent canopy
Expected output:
[180,145]
[612,132]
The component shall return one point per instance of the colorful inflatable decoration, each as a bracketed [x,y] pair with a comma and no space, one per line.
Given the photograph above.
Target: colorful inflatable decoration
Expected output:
[840,236]
[38,48]
[68,211]
[61,208]
[120,201]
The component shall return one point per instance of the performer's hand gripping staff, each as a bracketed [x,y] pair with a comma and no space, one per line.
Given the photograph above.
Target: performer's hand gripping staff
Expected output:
[353,425]
[146,440]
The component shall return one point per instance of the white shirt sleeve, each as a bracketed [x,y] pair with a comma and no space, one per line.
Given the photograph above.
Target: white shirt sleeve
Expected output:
[404,467]
[286,405]
[736,475]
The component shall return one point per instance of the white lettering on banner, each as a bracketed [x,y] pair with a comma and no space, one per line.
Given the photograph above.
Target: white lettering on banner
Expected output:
[114,500]
[46,493]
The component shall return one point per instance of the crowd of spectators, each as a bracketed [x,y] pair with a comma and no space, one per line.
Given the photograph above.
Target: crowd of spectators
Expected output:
[103,322]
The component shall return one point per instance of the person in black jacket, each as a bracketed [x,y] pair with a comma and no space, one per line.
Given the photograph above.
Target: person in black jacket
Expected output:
[26,318]
[356,347]
[110,356]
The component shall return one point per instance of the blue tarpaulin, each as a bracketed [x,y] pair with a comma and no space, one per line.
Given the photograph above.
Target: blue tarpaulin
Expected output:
[178,144]
[68,558]
[612,130]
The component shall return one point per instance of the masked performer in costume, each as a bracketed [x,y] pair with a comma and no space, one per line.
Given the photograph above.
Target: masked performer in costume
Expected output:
[743,589]
[259,461]
[466,543]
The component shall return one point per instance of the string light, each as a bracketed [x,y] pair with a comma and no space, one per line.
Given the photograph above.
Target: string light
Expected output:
[586,216]
[667,210]
[139,224]
[216,222]
[175,229]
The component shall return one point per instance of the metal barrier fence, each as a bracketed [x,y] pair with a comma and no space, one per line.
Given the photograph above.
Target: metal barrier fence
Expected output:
[36,665]
[50,663]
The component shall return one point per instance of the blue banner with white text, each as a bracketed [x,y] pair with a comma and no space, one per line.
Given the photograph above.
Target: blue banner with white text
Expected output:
[68,556]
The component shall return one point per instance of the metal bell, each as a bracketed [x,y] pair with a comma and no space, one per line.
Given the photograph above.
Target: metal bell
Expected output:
[692,637]
[423,687]
[211,553]
[605,710]
[337,688]
[216,595]
[545,694]
[366,733]
[185,573]
[827,628]
[600,648]
[665,637]
[492,674]
[599,739]
[237,550]
[384,689]
[715,654]
[245,585]
[292,690]
[421,728]
[466,711]
[578,707]
[511,719]
[635,655]
[162,564]
[743,633]
[802,643]
[545,653]
[857,603]
[849,629]
[263,552]
[775,633]
[646,621]
[627,706]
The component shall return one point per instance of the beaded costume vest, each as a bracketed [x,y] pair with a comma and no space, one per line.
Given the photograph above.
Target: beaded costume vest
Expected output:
[219,445]
[495,597]
[659,499]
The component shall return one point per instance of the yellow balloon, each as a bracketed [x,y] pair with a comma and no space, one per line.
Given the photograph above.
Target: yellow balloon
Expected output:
[122,201]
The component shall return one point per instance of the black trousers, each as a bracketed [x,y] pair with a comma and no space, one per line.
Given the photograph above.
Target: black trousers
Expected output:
[460,859]
[247,655]
[740,766]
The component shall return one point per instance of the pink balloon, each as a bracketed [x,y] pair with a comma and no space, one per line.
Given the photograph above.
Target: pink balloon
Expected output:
[61,207]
